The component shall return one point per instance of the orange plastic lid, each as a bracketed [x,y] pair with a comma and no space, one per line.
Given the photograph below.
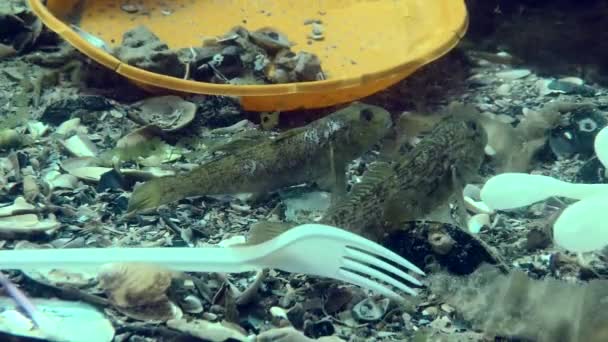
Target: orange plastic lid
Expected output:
[368,46]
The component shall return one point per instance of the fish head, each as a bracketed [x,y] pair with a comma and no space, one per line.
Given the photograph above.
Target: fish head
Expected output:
[469,139]
[367,124]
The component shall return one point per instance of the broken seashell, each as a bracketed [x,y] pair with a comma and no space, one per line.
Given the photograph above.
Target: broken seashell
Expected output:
[169,113]
[192,304]
[513,74]
[68,321]
[28,223]
[19,204]
[37,129]
[216,332]
[69,126]
[89,173]
[370,310]
[80,146]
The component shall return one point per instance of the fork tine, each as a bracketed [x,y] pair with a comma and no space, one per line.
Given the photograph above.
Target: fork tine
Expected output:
[356,279]
[372,247]
[364,269]
[371,260]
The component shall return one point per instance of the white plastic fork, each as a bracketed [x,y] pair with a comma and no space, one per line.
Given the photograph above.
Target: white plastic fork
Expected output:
[312,249]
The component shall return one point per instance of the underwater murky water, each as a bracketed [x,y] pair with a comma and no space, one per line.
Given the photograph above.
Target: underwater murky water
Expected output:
[484,168]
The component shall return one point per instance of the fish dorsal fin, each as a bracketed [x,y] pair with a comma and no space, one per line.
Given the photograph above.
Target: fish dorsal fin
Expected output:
[290,133]
[263,231]
[241,142]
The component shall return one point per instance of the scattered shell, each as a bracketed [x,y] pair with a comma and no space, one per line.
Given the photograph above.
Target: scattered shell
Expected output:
[192,304]
[513,74]
[209,331]
[37,129]
[57,180]
[141,136]
[370,310]
[549,87]
[68,321]
[69,126]
[169,113]
[573,80]
[80,146]
[318,32]
[80,278]
[26,223]
[86,169]
[270,39]
[129,8]
[289,334]
[89,173]
[75,163]
[19,204]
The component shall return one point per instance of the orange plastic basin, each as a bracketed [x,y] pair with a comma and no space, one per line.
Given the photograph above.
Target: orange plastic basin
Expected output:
[368,46]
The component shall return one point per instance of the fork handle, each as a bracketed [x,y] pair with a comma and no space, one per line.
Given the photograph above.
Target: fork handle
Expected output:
[200,259]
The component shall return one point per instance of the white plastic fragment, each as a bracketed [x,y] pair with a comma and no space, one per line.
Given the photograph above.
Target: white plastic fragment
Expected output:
[80,146]
[582,226]
[514,190]
[68,126]
[601,146]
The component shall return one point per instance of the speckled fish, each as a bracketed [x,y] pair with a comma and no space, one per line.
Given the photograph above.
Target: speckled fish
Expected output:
[407,188]
[415,183]
[310,153]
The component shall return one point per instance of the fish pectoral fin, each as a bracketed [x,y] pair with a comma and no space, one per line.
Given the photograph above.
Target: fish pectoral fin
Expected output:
[338,173]
[335,180]
[441,213]
[263,231]
[457,195]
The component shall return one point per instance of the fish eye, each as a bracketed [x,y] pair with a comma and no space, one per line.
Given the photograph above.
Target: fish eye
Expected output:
[472,125]
[367,114]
